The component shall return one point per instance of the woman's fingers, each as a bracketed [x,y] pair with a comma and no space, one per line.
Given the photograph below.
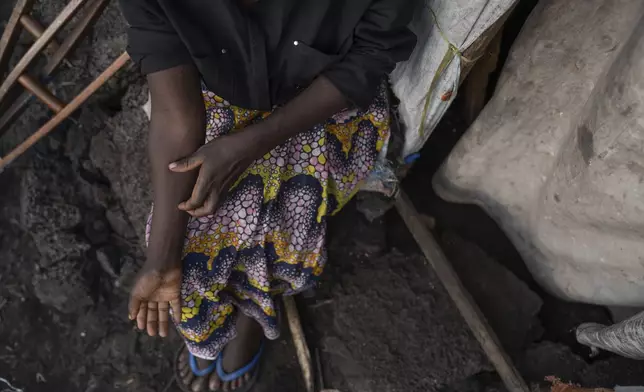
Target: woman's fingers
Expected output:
[176,310]
[133,307]
[142,315]
[164,317]
[216,194]
[187,164]
[153,318]
[208,207]
[200,192]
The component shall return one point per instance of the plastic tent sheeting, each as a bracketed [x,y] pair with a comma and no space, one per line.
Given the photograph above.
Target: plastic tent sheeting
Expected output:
[427,83]
[557,156]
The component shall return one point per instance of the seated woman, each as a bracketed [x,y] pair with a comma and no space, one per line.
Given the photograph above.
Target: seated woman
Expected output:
[266,116]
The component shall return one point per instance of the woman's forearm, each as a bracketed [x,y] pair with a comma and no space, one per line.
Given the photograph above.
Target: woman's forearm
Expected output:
[315,105]
[177,129]
[224,159]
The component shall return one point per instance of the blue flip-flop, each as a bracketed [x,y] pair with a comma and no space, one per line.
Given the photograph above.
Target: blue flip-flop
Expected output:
[252,366]
[217,365]
[201,372]
[194,367]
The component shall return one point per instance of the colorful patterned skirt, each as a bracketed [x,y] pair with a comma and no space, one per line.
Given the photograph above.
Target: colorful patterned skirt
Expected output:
[268,236]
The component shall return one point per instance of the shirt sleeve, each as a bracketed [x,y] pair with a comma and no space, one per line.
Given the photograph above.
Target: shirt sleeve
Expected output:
[153,42]
[381,39]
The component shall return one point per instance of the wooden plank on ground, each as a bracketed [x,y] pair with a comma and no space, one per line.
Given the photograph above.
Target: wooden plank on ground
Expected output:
[459,294]
[299,340]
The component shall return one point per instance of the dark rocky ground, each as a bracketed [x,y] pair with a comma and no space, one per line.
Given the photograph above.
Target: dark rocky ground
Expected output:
[71,220]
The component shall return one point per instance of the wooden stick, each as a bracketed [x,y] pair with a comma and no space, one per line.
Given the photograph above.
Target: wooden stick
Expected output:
[11,31]
[467,307]
[41,92]
[303,353]
[67,110]
[318,370]
[39,45]
[14,110]
[92,12]
[34,28]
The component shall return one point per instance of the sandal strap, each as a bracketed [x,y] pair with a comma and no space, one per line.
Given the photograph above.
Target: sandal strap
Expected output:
[201,372]
[223,376]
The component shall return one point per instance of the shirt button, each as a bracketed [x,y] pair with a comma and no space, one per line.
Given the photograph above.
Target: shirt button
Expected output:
[224,51]
[296,43]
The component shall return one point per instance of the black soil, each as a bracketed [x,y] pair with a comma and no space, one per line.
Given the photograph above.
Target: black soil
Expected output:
[71,216]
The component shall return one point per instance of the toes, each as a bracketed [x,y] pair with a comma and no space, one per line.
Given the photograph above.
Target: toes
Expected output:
[183,372]
[229,386]
[199,385]
[187,380]
[215,383]
[183,358]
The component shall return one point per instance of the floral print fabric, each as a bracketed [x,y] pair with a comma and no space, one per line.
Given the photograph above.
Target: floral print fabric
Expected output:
[268,235]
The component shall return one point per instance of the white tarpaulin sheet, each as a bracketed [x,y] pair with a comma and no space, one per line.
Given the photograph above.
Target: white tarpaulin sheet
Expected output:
[444,29]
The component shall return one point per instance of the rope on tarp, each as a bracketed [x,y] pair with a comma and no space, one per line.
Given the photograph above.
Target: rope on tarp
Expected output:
[452,52]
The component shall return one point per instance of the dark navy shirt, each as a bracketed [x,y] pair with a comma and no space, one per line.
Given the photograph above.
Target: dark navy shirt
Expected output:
[258,55]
